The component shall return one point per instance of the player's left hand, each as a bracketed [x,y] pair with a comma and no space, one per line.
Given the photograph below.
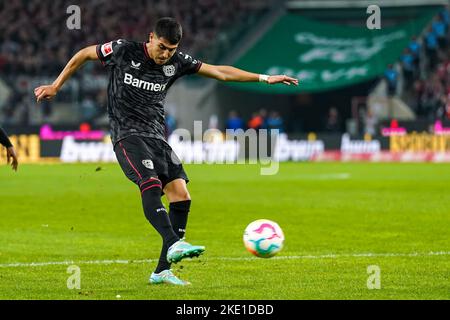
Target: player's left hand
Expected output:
[45,92]
[282,79]
[11,156]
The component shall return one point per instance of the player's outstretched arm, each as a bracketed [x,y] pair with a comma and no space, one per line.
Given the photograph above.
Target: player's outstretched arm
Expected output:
[49,91]
[229,73]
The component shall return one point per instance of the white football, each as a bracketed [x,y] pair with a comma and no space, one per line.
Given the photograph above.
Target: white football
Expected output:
[263,238]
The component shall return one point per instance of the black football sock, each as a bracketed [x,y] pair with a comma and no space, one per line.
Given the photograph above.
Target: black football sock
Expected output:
[156,214]
[178,215]
[163,264]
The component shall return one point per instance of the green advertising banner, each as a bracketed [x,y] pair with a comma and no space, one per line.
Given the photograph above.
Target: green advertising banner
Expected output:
[325,56]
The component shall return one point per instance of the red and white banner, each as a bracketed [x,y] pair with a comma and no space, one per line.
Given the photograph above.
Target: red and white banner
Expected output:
[382,156]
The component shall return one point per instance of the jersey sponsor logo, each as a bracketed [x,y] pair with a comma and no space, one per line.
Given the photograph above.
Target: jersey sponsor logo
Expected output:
[148,164]
[106,49]
[135,65]
[141,84]
[169,70]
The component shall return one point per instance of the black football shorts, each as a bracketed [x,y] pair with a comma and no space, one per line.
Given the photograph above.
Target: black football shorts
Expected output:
[142,158]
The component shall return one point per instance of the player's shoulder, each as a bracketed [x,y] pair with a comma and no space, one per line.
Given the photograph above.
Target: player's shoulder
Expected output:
[131,43]
[113,46]
[185,58]
[121,44]
[124,43]
[182,55]
[185,63]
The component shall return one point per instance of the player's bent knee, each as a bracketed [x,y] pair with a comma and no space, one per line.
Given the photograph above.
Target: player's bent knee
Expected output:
[176,196]
[183,196]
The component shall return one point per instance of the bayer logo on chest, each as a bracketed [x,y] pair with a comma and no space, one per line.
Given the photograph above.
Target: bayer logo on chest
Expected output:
[169,70]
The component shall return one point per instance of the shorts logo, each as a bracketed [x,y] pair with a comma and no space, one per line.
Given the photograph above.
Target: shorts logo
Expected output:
[148,164]
[106,49]
[169,70]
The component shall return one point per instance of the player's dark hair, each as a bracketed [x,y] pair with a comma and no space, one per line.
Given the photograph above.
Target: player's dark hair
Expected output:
[169,29]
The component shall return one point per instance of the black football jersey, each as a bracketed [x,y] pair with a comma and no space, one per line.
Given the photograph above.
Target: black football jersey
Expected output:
[138,86]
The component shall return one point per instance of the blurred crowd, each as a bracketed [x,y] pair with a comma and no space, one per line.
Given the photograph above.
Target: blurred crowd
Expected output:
[258,120]
[35,39]
[432,96]
[425,67]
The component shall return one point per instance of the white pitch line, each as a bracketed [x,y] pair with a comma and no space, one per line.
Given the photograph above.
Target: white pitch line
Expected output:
[334,176]
[324,176]
[324,256]
[348,255]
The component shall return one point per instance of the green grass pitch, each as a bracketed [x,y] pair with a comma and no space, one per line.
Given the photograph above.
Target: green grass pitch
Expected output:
[338,219]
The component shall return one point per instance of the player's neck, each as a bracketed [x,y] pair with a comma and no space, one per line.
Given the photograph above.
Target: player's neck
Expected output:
[149,52]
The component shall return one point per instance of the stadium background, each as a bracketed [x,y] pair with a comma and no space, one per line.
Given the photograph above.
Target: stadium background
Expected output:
[339,213]
[404,119]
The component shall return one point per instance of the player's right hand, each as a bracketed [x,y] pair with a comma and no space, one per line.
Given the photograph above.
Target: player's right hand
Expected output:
[45,92]
[282,79]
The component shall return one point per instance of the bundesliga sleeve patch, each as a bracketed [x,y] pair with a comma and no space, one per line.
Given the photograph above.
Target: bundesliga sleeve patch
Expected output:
[106,49]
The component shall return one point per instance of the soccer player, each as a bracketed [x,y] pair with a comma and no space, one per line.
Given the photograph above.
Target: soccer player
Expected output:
[140,73]
[11,155]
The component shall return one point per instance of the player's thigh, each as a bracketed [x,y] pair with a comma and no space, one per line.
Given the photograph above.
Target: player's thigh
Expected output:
[134,158]
[176,190]
[175,177]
